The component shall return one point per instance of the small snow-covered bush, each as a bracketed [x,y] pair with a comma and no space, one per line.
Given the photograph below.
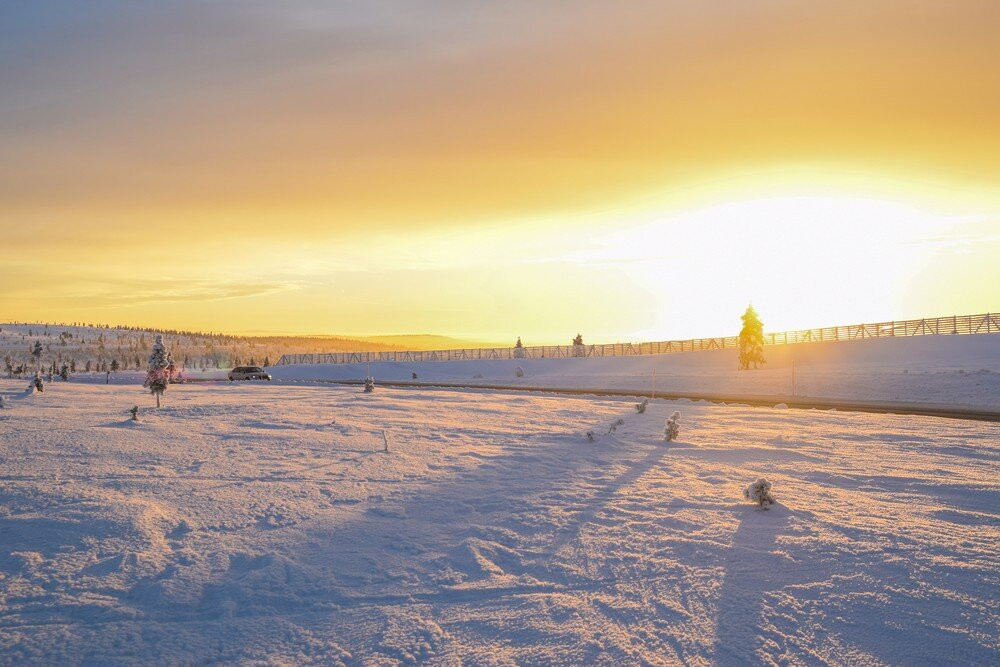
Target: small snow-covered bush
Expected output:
[759,492]
[369,384]
[590,436]
[615,424]
[519,372]
[641,407]
[135,413]
[671,429]
[36,383]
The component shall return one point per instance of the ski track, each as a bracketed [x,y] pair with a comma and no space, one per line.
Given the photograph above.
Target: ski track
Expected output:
[266,524]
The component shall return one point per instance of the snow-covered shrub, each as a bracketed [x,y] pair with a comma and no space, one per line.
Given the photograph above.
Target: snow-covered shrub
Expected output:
[759,492]
[641,407]
[615,424]
[135,413]
[519,372]
[158,374]
[369,384]
[590,436]
[36,383]
[671,429]
[64,373]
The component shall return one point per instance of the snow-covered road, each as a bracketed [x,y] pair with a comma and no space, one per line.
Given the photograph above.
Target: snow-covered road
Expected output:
[254,522]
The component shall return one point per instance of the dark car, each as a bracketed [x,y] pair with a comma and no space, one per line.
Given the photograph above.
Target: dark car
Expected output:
[248,373]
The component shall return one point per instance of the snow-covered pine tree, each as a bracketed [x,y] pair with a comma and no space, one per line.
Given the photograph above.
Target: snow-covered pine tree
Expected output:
[64,373]
[671,428]
[36,354]
[36,383]
[157,376]
[369,384]
[751,340]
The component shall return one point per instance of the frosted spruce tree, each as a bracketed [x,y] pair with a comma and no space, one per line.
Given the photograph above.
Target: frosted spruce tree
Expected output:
[36,354]
[671,429]
[751,340]
[158,374]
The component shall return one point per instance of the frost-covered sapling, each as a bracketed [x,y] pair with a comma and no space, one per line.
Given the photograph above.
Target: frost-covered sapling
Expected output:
[36,383]
[615,424]
[369,384]
[64,373]
[158,375]
[641,407]
[671,429]
[135,413]
[759,492]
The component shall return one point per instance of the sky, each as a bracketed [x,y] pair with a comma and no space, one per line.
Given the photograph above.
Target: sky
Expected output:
[628,171]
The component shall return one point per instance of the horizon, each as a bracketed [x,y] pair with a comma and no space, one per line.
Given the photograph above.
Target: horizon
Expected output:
[489,172]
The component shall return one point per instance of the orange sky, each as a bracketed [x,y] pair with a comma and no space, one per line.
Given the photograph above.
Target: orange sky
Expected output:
[499,169]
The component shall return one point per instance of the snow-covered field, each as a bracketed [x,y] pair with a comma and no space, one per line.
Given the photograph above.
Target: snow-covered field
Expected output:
[257,522]
[953,370]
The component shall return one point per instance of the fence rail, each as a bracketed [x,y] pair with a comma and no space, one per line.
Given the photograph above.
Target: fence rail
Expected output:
[931,326]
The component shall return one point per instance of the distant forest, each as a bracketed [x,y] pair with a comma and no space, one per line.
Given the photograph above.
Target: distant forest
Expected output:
[93,347]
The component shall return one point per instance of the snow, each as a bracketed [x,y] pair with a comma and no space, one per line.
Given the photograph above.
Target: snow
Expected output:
[955,370]
[264,523]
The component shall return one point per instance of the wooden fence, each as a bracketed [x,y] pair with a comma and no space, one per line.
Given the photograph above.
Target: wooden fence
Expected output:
[952,325]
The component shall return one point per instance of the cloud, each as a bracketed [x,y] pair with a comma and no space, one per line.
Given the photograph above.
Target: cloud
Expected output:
[96,291]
